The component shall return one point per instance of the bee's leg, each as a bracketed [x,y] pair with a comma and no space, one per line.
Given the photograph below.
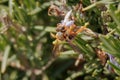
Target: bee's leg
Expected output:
[82,28]
[52,35]
[56,48]
[71,29]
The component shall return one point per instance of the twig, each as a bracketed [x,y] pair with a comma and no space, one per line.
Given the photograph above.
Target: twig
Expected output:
[39,72]
[33,70]
[97,3]
[92,5]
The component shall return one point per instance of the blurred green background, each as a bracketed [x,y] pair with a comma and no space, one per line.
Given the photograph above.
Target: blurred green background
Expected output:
[26,44]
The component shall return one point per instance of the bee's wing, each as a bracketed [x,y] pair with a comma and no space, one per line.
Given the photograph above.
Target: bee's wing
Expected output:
[67,16]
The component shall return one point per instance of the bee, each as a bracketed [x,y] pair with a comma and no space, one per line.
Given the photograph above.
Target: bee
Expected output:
[66,30]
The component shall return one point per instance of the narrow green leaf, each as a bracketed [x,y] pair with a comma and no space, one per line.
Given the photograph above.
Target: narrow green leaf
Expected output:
[111,45]
[38,9]
[3,1]
[45,28]
[5,58]
[105,43]
[82,45]
[112,13]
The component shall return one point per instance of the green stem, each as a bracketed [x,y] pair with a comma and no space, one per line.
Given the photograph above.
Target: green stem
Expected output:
[98,3]
[92,5]
[114,17]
